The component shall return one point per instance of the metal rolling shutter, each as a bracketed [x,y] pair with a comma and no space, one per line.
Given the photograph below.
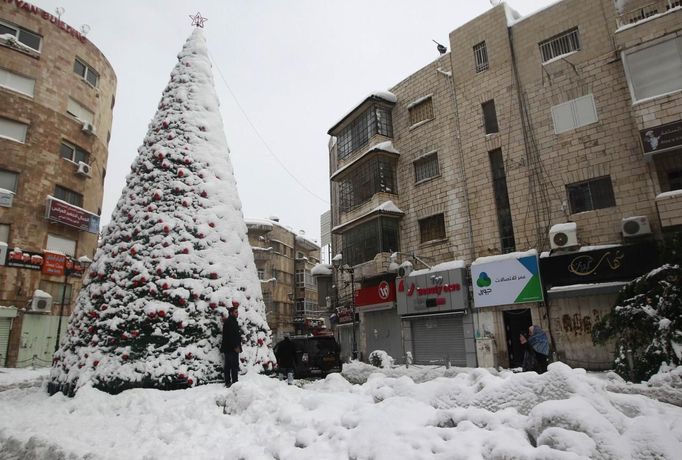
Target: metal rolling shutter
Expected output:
[5,324]
[438,338]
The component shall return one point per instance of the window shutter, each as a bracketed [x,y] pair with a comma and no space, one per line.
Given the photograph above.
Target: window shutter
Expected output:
[80,112]
[17,82]
[655,70]
[59,244]
[585,111]
[562,115]
[13,130]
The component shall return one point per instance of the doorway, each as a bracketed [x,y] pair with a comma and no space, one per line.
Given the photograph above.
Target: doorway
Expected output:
[516,322]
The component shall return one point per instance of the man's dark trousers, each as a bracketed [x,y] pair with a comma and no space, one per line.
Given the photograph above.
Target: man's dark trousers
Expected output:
[231,367]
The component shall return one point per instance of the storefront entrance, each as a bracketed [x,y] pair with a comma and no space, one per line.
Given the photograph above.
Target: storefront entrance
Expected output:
[516,322]
[439,339]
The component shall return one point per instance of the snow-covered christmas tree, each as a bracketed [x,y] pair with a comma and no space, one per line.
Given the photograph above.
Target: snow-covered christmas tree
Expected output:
[173,259]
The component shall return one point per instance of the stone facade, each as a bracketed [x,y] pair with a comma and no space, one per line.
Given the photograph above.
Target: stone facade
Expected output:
[37,161]
[284,261]
[562,144]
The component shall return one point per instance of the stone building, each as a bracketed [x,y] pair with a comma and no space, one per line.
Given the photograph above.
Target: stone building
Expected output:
[284,260]
[553,138]
[56,100]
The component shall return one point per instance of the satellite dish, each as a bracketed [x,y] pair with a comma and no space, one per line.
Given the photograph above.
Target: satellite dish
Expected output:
[59,11]
[85,29]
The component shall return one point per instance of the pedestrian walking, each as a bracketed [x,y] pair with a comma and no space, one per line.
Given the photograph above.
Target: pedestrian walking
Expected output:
[231,347]
[537,350]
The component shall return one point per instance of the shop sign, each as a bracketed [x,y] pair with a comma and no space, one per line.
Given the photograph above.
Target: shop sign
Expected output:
[24,259]
[53,263]
[73,216]
[26,6]
[662,138]
[381,293]
[506,279]
[344,315]
[432,291]
[618,263]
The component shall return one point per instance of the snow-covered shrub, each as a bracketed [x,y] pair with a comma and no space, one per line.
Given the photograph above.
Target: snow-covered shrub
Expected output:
[379,358]
[647,322]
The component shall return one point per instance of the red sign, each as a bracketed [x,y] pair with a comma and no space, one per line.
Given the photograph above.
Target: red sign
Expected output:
[72,216]
[371,295]
[48,17]
[53,263]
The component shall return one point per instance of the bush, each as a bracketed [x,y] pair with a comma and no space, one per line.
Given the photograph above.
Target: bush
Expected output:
[647,321]
[379,358]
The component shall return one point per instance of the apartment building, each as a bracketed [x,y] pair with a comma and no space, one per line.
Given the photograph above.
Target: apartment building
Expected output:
[56,100]
[284,260]
[533,168]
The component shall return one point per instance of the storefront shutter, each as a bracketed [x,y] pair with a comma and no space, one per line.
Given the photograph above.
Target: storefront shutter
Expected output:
[5,324]
[437,339]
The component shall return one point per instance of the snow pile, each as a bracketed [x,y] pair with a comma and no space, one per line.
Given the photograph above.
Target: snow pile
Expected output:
[393,414]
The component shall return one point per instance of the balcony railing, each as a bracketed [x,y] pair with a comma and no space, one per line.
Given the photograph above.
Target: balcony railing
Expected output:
[646,11]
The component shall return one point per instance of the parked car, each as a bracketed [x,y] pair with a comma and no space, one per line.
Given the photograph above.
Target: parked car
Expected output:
[316,355]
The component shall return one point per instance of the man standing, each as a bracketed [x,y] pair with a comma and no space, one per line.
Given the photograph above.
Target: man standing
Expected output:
[231,347]
[285,352]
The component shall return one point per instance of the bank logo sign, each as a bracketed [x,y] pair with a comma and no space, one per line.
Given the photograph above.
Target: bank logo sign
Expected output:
[504,280]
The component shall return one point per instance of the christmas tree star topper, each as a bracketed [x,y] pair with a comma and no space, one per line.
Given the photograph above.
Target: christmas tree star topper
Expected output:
[198,20]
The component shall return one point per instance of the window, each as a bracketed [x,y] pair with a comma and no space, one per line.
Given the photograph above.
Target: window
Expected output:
[426,167]
[261,273]
[375,120]
[564,43]
[85,71]
[489,117]
[22,35]
[69,196]
[4,233]
[481,57]
[8,180]
[574,114]
[675,180]
[592,194]
[80,112]
[300,277]
[432,228]
[56,290]
[421,110]
[504,217]
[374,176]
[61,244]
[655,70]
[17,83]
[73,153]
[13,130]
[365,241]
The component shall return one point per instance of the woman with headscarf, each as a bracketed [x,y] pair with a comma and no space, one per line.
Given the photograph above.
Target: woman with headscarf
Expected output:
[537,350]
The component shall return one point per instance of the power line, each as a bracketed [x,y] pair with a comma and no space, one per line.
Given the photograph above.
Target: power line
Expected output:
[255,130]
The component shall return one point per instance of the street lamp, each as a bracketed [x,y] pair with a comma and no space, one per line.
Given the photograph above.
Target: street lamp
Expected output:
[84,262]
[336,262]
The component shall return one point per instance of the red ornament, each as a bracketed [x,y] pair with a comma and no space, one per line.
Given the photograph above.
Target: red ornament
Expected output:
[164,286]
[214,276]
[157,196]
[189,355]
[159,271]
[182,301]
[162,313]
[190,381]
[125,357]
[181,173]
[151,315]
[212,305]
[185,250]
[165,123]
[93,314]
[95,363]
[133,251]
[135,333]
[124,336]
[211,224]
[91,329]
[235,303]
[188,160]
[160,156]
[260,341]
[182,376]
[200,235]
[204,194]
[166,229]
[103,307]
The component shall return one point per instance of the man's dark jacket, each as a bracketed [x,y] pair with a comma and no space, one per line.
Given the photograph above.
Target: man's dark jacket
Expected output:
[286,354]
[232,335]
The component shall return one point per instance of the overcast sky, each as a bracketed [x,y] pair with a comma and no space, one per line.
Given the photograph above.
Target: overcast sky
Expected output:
[294,66]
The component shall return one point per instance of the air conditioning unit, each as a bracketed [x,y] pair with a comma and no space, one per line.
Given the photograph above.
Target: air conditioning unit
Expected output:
[41,301]
[88,128]
[563,235]
[83,169]
[635,226]
[3,253]
[405,269]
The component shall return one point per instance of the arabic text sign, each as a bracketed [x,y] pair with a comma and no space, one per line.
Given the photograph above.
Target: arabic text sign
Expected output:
[72,216]
[506,281]
[662,138]
[432,292]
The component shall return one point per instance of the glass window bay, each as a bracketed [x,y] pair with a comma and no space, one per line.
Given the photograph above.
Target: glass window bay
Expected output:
[375,120]
[365,180]
[363,242]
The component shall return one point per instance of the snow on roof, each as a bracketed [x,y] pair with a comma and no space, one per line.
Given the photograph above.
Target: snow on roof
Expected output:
[262,224]
[385,95]
[565,227]
[4,190]
[511,255]
[647,19]
[511,20]
[670,194]
[386,146]
[321,270]
[305,241]
[583,287]
[449,265]
[386,206]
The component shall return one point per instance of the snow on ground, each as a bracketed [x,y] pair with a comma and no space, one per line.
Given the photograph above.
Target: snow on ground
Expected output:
[364,413]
